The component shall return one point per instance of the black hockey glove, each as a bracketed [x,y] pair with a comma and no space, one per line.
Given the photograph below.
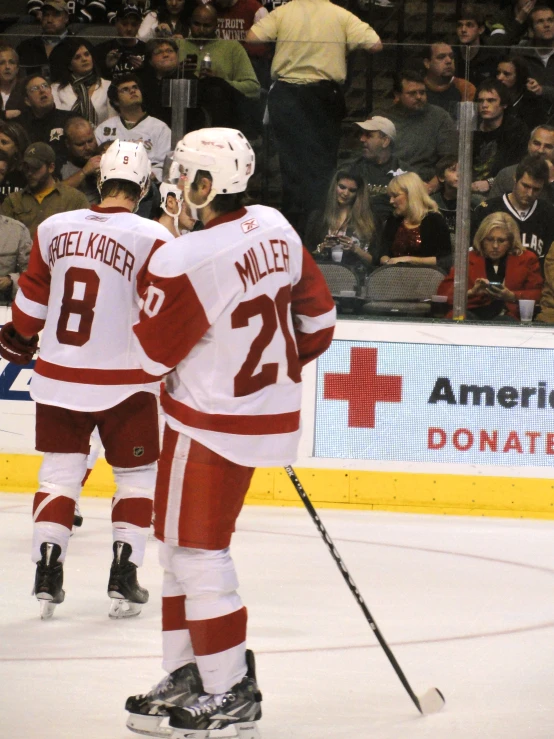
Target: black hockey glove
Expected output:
[14,347]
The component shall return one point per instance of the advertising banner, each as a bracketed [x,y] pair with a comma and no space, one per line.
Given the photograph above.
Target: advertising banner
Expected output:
[481,405]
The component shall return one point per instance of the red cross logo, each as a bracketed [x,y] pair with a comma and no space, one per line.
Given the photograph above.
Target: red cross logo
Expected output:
[362,388]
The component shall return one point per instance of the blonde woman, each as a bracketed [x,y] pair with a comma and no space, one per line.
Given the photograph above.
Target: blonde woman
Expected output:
[501,271]
[415,232]
[346,221]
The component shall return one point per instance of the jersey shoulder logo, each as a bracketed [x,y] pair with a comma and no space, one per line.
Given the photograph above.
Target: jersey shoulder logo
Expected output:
[56,134]
[249,225]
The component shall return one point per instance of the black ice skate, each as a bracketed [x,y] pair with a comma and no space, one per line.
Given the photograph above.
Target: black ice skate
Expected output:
[77,517]
[123,588]
[238,707]
[49,579]
[147,711]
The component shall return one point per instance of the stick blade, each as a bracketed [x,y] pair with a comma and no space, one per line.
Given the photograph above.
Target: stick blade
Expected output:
[432,701]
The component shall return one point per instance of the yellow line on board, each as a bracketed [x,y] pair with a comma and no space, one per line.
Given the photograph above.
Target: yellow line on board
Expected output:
[466,495]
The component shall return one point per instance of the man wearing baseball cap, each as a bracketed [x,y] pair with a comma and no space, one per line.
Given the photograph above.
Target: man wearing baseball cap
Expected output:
[378,163]
[35,51]
[125,52]
[42,196]
[83,11]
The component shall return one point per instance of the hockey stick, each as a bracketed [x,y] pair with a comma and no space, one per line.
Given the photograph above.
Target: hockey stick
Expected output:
[430,702]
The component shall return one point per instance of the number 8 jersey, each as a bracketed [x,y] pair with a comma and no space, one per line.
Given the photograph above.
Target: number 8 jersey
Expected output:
[237,309]
[81,288]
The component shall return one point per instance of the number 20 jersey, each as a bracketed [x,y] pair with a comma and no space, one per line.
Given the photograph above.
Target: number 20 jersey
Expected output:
[237,309]
[81,287]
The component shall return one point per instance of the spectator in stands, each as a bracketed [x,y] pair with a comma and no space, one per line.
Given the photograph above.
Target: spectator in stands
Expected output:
[443,88]
[415,232]
[306,102]
[34,52]
[80,11]
[501,271]
[424,132]
[513,73]
[82,167]
[346,221]
[172,18]
[447,196]
[472,53]
[500,139]
[15,248]
[511,23]
[133,124]
[42,196]
[78,86]
[162,64]
[541,142]
[234,19]
[41,119]
[124,53]
[534,217]
[540,58]
[229,83]
[13,142]
[11,93]
[378,162]
[4,164]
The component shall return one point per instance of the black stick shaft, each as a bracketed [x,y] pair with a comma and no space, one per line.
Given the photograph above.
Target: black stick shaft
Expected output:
[351,584]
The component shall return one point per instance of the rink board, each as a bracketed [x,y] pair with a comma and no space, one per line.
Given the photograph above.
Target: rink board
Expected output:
[437,418]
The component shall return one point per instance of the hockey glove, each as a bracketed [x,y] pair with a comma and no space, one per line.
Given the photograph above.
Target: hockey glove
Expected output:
[14,347]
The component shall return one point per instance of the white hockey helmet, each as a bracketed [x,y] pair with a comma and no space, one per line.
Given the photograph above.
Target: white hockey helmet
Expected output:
[126,160]
[167,189]
[223,152]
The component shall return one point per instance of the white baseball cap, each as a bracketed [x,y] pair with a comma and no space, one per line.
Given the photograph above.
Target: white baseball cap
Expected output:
[379,123]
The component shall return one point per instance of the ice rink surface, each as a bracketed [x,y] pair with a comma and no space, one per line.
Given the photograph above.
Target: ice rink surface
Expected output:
[467,605]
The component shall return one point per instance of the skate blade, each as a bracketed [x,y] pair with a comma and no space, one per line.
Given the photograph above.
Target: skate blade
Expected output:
[121,608]
[148,726]
[247,730]
[47,608]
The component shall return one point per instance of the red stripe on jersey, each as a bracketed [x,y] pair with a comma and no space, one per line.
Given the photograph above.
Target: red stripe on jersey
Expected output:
[24,324]
[215,635]
[163,479]
[143,271]
[169,335]
[93,376]
[59,510]
[226,218]
[173,613]
[135,511]
[276,423]
[310,346]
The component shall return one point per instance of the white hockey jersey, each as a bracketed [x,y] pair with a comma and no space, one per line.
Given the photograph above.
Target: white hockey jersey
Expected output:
[237,309]
[150,131]
[81,288]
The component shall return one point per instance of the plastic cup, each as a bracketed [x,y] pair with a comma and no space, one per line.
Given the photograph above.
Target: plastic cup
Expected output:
[336,254]
[526,310]
[439,306]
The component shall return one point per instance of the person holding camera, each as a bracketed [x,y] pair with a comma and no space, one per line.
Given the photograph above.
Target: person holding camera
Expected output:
[345,229]
[501,271]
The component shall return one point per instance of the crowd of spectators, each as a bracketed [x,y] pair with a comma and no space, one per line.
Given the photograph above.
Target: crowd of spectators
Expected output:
[65,95]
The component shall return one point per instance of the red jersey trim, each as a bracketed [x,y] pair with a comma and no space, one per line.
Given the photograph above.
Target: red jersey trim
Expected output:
[110,209]
[278,423]
[226,218]
[93,376]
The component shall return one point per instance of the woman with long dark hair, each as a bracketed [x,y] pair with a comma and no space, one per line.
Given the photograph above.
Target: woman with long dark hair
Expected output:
[513,73]
[13,142]
[78,85]
[346,222]
[172,18]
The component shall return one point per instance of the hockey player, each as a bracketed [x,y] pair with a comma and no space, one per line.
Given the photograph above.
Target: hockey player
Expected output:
[237,312]
[81,288]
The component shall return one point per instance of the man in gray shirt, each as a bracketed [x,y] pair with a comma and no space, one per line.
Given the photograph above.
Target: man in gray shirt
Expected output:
[424,132]
[15,248]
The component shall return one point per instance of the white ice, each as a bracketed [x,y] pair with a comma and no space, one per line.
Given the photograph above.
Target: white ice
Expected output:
[465,603]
